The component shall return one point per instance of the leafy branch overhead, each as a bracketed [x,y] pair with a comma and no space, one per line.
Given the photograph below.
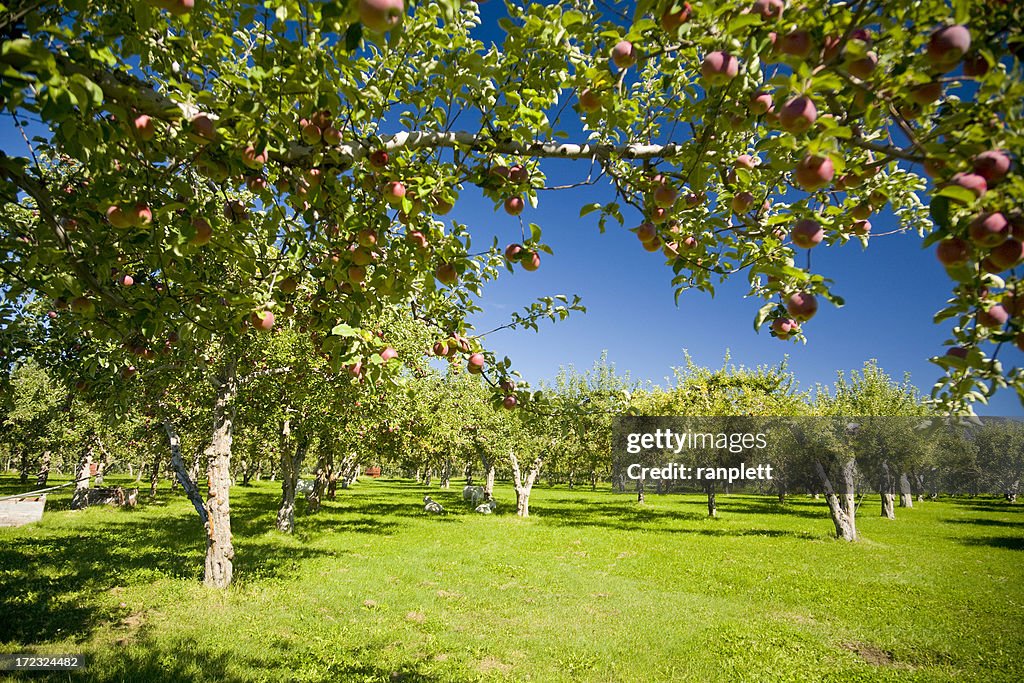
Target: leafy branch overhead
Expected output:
[195,173]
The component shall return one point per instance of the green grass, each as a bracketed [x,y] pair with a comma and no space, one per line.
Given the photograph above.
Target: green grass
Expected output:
[593,587]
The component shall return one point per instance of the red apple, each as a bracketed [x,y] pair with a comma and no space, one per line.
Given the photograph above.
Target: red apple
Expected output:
[388,353]
[768,9]
[862,211]
[589,101]
[971,181]
[814,172]
[514,206]
[624,54]
[761,103]
[475,363]
[861,228]
[447,274]
[204,233]
[992,165]
[144,127]
[509,402]
[926,94]
[742,202]
[530,261]
[670,21]
[947,46]
[381,15]
[665,196]
[785,327]
[262,320]
[1008,254]
[719,68]
[989,230]
[745,161]
[119,218]
[311,134]
[646,232]
[994,317]
[253,159]
[202,128]
[796,43]
[862,67]
[394,192]
[378,159]
[513,252]
[142,215]
[957,352]
[127,281]
[417,239]
[975,65]
[802,306]
[807,233]
[798,115]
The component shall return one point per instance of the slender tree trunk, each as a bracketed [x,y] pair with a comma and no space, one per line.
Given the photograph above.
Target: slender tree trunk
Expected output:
[101,464]
[428,477]
[247,472]
[906,495]
[319,484]
[712,502]
[24,467]
[841,506]
[219,549]
[468,473]
[1012,491]
[640,490]
[44,469]
[488,465]
[332,475]
[188,485]
[446,473]
[593,480]
[524,487]
[291,465]
[80,498]
[348,470]
[154,475]
[887,488]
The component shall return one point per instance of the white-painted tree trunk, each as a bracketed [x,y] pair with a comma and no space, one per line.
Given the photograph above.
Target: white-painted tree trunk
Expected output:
[524,485]
[44,469]
[906,494]
[220,551]
[842,506]
[80,498]
[188,485]
[887,487]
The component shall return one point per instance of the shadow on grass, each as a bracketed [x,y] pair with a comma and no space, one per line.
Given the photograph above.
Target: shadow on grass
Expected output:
[1003,542]
[981,521]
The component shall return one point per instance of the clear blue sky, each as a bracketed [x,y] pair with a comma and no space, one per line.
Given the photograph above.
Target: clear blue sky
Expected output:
[892,290]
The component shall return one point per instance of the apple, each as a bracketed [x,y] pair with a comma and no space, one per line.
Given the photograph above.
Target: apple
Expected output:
[331,136]
[204,233]
[180,7]
[355,369]
[994,317]
[798,115]
[118,218]
[388,353]
[361,256]
[530,261]
[202,128]
[509,402]
[440,348]
[742,202]
[861,228]
[975,65]
[52,315]
[447,274]
[814,172]
[235,211]
[144,127]
[589,101]
[313,177]
[262,320]
[513,252]
[128,372]
[807,233]
[417,239]
[665,196]
[646,232]
[127,281]
[947,46]
[253,159]
[745,161]
[926,94]
[442,206]
[802,306]
[653,245]
[514,206]
[768,9]
[957,352]
[475,363]
[381,15]
[784,327]
[356,274]
[796,43]
[1008,254]
[989,230]
[761,103]
[992,166]
[519,174]
[311,134]
[624,54]
[394,192]
[719,68]
[367,238]
[659,215]
[143,215]
[256,184]
[862,67]
[671,21]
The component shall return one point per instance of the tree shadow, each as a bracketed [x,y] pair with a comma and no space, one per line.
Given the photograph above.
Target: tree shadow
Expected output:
[1003,542]
[981,521]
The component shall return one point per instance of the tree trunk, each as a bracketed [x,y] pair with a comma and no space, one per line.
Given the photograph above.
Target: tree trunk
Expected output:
[446,473]
[428,477]
[887,487]
[332,475]
[712,503]
[468,473]
[188,485]
[291,466]
[24,467]
[593,480]
[44,469]
[219,549]
[154,475]
[1013,491]
[842,506]
[80,498]
[488,473]
[101,464]
[319,484]
[640,490]
[247,472]
[524,487]
[906,495]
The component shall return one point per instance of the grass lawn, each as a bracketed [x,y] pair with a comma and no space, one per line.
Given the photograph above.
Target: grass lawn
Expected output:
[593,587]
